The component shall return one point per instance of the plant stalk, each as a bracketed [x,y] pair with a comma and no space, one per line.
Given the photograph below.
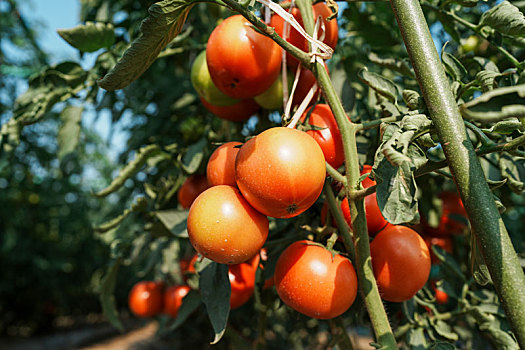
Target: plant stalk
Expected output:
[496,246]
[365,273]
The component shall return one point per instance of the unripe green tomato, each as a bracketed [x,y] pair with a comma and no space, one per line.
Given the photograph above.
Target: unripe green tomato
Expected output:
[202,83]
[470,44]
[273,97]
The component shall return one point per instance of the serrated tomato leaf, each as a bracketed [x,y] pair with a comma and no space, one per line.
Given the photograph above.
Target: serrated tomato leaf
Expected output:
[163,24]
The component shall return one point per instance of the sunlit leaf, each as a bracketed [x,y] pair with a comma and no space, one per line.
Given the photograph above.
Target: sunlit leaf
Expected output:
[383,86]
[69,131]
[498,104]
[505,18]
[89,37]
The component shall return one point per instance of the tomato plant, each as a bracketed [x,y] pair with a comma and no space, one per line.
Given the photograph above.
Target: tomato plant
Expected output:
[242,282]
[453,218]
[221,165]
[401,263]
[315,283]
[242,63]
[146,298]
[173,296]
[280,172]
[190,189]
[223,226]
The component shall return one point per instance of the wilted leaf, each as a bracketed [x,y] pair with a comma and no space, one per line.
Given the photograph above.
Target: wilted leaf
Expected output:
[501,103]
[130,169]
[107,297]
[383,86]
[69,131]
[139,205]
[444,330]
[416,339]
[505,18]
[413,99]
[509,171]
[163,24]
[486,79]
[215,290]
[174,220]
[89,37]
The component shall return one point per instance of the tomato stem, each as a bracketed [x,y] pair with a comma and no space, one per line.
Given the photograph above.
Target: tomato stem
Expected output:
[496,246]
[363,264]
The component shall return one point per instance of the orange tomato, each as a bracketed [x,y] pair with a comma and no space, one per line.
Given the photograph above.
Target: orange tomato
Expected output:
[313,282]
[280,172]
[221,165]
[453,219]
[329,138]
[173,299]
[190,189]
[242,62]
[401,262]
[443,242]
[242,282]
[223,226]
[145,298]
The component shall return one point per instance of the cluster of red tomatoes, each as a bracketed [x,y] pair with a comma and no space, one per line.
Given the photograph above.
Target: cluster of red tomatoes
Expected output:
[151,298]
[239,72]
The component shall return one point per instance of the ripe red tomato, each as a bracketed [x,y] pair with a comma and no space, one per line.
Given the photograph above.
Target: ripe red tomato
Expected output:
[443,242]
[223,226]
[221,165]
[304,84]
[187,267]
[441,295]
[242,281]
[280,172]
[330,137]
[453,219]
[401,262]
[242,63]
[296,39]
[190,189]
[173,299]
[312,282]
[145,298]
[237,112]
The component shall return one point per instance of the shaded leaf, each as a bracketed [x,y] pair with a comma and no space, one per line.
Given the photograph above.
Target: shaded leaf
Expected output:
[215,290]
[444,330]
[509,171]
[139,205]
[450,25]
[413,99]
[174,220]
[107,297]
[442,346]
[190,303]
[501,103]
[452,65]
[194,155]
[163,24]
[466,3]
[505,18]
[383,86]
[416,339]
[399,65]
[130,169]
[69,131]
[487,79]
[89,37]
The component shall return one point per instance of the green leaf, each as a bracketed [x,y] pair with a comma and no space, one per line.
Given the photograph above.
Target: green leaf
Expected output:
[174,220]
[501,103]
[509,170]
[107,297]
[413,99]
[163,24]
[442,346]
[444,330]
[450,25]
[194,156]
[505,18]
[139,205]
[130,169]
[190,303]
[215,290]
[399,65]
[487,79]
[69,131]
[452,65]
[383,86]
[506,127]
[416,339]
[486,63]
[89,37]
